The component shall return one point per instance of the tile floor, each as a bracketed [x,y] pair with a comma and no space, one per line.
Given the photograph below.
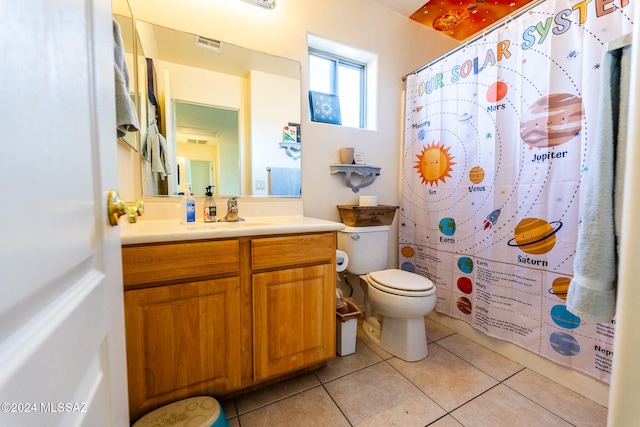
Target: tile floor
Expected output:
[460,383]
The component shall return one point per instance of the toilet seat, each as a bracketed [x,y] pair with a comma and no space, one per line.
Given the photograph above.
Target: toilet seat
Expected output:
[400,282]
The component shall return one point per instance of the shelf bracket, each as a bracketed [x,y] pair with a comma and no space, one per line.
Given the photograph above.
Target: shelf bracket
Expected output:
[368,173]
[292,149]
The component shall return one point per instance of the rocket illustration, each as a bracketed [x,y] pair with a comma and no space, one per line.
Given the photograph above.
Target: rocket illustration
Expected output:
[491,219]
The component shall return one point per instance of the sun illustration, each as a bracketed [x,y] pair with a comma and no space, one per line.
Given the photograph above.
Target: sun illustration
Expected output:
[407,252]
[434,163]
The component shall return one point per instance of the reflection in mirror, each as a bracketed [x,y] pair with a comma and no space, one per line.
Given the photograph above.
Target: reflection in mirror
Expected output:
[224,110]
[207,148]
[124,20]
[141,72]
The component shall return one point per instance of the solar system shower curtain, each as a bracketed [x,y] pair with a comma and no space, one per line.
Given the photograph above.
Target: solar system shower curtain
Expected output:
[498,137]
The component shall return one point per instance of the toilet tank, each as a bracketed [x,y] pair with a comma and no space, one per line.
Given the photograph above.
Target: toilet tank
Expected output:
[366,247]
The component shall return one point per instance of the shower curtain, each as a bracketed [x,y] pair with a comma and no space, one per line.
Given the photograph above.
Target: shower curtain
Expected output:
[498,140]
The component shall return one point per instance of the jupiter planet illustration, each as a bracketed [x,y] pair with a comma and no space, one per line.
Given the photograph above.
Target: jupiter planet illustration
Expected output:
[552,120]
[535,236]
[464,305]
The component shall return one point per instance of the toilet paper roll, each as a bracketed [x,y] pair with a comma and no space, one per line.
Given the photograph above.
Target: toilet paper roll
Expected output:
[342,260]
[368,201]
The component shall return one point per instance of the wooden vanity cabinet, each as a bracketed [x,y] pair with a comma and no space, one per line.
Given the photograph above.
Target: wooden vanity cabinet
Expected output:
[214,317]
[183,336]
[293,307]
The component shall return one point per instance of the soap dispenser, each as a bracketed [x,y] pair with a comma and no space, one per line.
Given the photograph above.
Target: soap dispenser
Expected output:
[209,206]
[187,208]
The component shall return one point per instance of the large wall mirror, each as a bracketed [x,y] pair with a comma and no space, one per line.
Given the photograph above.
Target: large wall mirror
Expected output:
[226,113]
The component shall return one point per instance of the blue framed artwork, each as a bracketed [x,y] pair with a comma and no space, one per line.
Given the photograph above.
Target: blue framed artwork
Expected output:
[325,108]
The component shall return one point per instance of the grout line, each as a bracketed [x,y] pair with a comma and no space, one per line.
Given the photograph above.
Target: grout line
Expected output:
[336,403]
[534,402]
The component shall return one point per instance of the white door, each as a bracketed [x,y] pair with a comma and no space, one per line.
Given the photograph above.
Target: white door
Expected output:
[62,354]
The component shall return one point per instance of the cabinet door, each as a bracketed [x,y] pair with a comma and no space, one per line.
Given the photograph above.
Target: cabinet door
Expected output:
[294,319]
[182,340]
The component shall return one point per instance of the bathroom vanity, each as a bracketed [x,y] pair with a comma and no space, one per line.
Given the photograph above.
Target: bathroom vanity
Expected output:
[217,308]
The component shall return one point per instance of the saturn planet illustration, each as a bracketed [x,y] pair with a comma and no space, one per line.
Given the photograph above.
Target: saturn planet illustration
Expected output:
[535,236]
[560,287]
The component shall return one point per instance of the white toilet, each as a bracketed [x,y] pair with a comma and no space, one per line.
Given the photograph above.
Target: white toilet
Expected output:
[396,301]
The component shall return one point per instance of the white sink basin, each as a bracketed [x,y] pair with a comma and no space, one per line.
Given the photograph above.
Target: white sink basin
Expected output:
[171,230]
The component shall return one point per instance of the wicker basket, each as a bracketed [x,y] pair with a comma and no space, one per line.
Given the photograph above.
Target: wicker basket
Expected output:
[364,216]
[353,313]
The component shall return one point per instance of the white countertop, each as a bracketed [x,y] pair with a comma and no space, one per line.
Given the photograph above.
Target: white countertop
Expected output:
[155,231]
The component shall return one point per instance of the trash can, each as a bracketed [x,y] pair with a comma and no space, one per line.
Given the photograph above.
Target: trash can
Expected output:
[199,411]
[347,317]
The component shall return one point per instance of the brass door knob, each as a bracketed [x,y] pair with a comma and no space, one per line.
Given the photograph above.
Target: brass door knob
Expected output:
[116,208]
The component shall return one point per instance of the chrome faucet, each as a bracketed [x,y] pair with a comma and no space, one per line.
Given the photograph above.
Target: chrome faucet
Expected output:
[232,211]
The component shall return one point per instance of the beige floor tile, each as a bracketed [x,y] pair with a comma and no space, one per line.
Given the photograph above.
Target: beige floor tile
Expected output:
[447,421]
[558,399]
[233,422]
[340,366]
[444,377]
[311,408]
[503,407]
[490,362]
[379,396]
[435,330]
[275,392]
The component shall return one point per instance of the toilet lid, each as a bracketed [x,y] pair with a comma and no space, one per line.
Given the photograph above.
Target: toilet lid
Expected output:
[401,280]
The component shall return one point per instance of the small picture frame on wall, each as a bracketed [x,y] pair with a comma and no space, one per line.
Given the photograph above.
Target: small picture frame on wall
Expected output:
[325,108]
[297,126]
[358,158]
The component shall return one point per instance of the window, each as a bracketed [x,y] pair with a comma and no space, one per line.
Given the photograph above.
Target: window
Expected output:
[329,73]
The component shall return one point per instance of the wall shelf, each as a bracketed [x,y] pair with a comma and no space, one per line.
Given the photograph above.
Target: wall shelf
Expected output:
[368,173]
[292,149]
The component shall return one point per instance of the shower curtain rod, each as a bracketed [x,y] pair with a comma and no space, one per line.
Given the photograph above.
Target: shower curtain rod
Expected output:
[495,26]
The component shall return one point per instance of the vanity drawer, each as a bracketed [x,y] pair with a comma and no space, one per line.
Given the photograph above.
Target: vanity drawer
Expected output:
[271,252]
[145,264]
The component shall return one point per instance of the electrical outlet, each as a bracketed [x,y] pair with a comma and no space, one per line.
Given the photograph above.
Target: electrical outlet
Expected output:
[259,184]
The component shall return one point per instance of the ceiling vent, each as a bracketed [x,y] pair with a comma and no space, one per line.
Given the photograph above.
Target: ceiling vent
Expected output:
[197,141]
[267,4]
[210,44]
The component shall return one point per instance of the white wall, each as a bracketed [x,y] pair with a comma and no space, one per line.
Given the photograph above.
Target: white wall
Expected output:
[402,46]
